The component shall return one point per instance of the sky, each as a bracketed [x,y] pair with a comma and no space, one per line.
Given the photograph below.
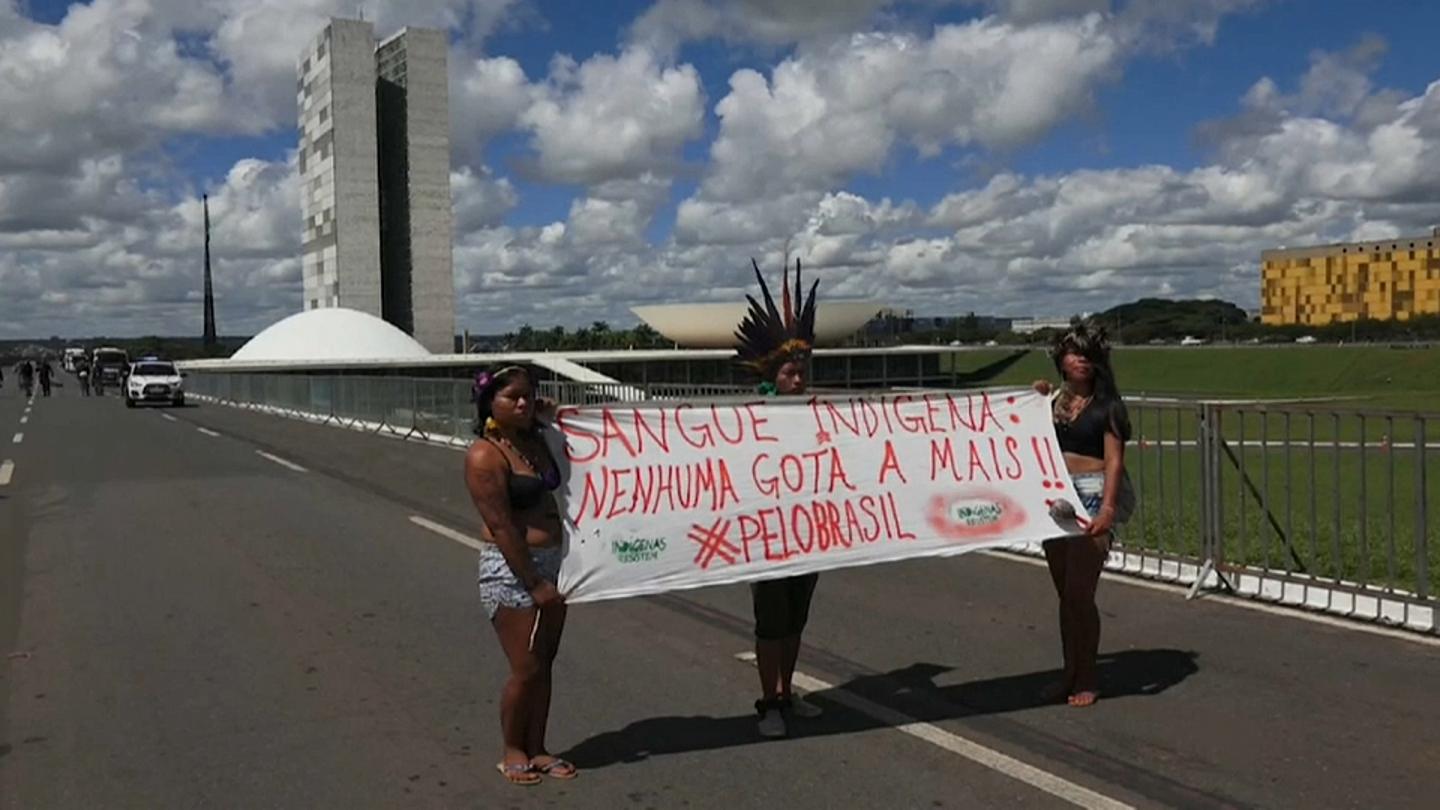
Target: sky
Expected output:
[1004,157]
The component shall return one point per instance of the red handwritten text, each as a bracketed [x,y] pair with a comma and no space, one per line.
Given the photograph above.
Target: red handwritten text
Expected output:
[814,473]
[933,414]
[980,459]
[645,431]
[610,492]
[782,532]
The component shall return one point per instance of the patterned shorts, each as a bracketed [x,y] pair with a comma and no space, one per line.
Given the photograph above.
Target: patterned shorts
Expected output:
[499,587]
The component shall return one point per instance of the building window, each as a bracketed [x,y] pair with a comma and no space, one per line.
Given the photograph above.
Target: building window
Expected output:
[324,113]
[305,68]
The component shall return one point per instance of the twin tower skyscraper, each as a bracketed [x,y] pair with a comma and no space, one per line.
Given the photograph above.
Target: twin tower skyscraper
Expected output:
[375,173]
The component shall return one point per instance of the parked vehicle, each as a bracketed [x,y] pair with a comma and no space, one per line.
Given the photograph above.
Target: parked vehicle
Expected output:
[108,368]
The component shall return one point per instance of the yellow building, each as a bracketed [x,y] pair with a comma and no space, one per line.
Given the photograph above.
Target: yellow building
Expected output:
[1391,279]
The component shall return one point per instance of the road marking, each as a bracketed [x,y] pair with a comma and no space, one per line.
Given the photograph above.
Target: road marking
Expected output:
[19,437]
[282,462]
[168,418]
[24,419]
[7,470]
[954,743]
[1296,612]
[447,532]
[207,431]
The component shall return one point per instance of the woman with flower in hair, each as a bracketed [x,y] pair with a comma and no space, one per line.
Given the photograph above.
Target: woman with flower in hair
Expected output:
[1092,426]
[512,475]
[775,345]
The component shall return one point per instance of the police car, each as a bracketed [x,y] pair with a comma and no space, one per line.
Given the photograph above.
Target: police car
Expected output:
[154,380]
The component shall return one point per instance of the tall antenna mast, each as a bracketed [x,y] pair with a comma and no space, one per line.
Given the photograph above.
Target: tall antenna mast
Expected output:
[209,339]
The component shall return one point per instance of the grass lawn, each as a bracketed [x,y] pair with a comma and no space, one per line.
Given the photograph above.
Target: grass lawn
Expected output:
[1376,377]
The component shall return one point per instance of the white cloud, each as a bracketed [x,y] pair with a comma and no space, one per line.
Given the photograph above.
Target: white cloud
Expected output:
[669,23]
[487,97]
[479,199]
[614,117]
[830,112]
[108,77]
[97,234]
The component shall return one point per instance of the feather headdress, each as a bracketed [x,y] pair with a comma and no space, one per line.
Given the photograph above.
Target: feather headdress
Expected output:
[769,338]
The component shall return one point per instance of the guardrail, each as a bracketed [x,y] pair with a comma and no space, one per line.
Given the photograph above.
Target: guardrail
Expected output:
[438,409]
[1328,509]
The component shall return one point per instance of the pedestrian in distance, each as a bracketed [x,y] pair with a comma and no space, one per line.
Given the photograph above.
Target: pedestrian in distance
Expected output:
[1092,426]
[512,474]
[45,373]
[27,378]
[775,345]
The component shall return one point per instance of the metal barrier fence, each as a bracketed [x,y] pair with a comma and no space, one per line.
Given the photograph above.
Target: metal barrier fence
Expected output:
[1331,509]
[435,409]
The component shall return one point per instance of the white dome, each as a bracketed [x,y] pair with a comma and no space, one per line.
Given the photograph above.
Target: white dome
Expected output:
[330,334]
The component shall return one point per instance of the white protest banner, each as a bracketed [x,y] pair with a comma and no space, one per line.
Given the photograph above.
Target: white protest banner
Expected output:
[664,496]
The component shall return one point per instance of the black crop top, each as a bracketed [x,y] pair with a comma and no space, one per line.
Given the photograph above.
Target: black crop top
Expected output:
[1086,435]
[526,491]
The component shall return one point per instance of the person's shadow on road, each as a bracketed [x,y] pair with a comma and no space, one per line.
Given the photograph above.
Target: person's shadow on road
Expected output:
[909,691]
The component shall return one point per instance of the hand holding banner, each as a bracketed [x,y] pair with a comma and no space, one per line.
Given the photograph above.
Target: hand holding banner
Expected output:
[665,496]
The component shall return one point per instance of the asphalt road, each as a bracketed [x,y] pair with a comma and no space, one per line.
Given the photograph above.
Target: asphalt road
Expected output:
[188,623]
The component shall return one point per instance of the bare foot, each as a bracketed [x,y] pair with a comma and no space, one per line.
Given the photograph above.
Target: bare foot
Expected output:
[1083,698]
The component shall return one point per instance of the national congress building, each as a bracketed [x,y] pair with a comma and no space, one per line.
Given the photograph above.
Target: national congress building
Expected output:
[1390,279]
[375,168]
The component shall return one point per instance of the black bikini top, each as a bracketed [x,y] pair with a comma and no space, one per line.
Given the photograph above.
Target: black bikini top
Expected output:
[526,491]
[1085,435]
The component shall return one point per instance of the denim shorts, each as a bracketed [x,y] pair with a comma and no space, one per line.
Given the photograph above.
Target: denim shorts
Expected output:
[499,587]
[1090,489]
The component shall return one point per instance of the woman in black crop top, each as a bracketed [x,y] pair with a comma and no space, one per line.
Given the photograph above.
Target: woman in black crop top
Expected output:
[512,476]
[1092,426]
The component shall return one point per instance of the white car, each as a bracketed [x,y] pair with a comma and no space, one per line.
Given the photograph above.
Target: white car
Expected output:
[1192,341]
[154,381]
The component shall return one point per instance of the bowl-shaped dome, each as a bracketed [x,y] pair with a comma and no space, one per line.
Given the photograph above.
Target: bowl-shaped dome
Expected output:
[712,326]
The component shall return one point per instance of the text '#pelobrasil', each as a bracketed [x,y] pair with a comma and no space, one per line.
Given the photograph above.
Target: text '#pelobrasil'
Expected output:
[674,495]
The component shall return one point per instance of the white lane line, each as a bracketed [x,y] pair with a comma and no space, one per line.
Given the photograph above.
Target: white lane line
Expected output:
[207,431]
[954,743]
[7,471]
[447,532]
[19,437]
[1240,602]
[168,418]
[282,462]
[24,419]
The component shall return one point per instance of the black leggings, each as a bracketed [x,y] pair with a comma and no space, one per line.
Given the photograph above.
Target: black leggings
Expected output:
[782,606]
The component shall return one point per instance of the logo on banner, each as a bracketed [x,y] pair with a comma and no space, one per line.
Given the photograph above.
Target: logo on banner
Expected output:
[974,515]
[637,550]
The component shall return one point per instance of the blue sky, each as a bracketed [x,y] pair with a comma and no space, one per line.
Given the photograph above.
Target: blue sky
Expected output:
[1083,189]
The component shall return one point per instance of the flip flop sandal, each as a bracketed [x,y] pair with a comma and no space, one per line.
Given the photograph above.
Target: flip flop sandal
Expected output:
[518,773]
[565,769]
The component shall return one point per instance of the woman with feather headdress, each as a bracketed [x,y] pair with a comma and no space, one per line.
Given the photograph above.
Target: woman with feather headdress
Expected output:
[775,344]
